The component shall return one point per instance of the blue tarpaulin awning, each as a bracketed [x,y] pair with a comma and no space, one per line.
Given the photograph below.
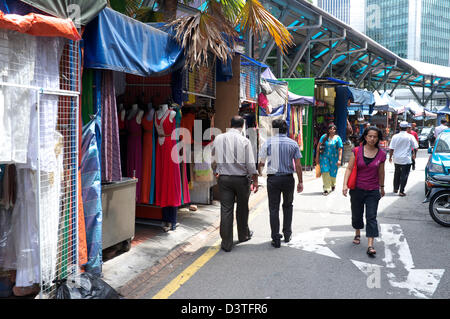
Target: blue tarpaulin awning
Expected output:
[116,42]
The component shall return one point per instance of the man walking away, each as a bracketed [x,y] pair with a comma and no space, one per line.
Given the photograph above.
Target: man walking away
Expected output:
[400,150]
[281,152]
[233,165]
[440,128]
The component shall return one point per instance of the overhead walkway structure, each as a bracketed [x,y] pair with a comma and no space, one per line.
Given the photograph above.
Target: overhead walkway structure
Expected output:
[327,47]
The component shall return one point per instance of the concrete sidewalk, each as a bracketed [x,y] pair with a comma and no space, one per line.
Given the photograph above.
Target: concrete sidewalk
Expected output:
[153,249]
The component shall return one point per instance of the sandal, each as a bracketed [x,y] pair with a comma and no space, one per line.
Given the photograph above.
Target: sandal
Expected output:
[357,240]
[371,251]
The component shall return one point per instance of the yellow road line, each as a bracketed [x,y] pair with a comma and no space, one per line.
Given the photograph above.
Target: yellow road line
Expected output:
[182,278]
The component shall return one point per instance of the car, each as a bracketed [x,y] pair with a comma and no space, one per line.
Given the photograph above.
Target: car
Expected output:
[439,161]
[426,137]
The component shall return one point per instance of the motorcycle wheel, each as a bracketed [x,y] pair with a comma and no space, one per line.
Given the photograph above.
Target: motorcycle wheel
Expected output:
[440,208]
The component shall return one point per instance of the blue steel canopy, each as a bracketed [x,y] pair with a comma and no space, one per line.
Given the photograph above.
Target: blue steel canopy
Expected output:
[327,46]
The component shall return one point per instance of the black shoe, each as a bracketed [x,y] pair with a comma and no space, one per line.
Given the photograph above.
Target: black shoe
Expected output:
[287,238]
[227,250]
[276,243]
[250,234]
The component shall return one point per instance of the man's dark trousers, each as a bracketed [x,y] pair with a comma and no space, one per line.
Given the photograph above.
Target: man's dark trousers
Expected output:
[277,185]
[233,188]
[401,176]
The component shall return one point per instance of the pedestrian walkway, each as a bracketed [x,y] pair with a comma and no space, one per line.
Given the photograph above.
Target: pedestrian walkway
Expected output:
[152,249]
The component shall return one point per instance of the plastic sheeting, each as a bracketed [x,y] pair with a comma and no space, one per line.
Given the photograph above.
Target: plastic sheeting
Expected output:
[85,10]
[92,194]
[116,42]
[40,25]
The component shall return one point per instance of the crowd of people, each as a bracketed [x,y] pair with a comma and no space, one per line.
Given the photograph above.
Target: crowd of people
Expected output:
[234,166]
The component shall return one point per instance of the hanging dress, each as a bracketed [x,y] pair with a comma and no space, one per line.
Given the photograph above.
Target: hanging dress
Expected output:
[167,173]
[148,163]
[134,153]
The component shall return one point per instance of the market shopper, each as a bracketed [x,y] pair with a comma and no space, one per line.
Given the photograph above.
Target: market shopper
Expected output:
[329,155]
[413,133]
[281,153]
[440,128]
[402,150]
[369,186]
[235,167]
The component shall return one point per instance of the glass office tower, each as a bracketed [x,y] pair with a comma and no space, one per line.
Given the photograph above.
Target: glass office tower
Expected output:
[413,29]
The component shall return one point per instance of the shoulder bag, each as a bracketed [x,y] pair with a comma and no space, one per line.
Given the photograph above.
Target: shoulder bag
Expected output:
[351,183]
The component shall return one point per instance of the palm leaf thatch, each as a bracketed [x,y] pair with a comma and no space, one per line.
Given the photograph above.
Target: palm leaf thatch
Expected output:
[256,18]
[205,32]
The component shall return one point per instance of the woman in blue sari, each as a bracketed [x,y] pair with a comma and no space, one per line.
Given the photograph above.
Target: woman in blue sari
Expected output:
[329,155]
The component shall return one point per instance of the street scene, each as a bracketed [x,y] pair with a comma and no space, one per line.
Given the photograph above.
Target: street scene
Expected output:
[201,154]
[321,261]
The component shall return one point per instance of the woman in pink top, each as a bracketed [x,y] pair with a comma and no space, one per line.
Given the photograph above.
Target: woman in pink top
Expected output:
[369,185]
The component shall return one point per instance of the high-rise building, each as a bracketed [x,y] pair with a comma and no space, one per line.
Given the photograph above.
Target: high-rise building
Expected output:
[413,29]
[350,12]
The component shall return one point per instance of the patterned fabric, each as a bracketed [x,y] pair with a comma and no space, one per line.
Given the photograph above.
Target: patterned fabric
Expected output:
[111,166]
[330,156]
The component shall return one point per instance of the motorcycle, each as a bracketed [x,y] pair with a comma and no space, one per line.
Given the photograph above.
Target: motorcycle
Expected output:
[438,196]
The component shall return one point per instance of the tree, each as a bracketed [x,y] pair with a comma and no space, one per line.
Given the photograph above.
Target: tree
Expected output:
[214,28]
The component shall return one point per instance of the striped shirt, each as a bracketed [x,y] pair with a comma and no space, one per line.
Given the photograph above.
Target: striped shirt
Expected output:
[233,154]
[280,151]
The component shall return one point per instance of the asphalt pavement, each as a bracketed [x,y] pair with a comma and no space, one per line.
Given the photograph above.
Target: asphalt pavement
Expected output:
[320,261]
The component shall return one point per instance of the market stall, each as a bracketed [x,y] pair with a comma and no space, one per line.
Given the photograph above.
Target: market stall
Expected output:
[39,177]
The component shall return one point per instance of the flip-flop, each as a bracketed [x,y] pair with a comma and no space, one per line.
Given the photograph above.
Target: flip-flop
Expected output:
[357,240]
[371,251]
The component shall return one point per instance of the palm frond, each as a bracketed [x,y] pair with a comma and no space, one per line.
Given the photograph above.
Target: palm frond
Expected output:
[256,18]
[202,33]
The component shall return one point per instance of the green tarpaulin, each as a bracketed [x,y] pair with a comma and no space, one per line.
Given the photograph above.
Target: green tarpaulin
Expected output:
[79,11]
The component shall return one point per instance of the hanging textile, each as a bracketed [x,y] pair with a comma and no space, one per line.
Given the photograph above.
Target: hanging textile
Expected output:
[18,66]
[148,154]
[87,97]
[92,194]
[111,166]
[185,197]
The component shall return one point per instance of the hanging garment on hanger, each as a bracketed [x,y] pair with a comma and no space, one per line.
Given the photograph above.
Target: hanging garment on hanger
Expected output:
[167,173]
[134,153]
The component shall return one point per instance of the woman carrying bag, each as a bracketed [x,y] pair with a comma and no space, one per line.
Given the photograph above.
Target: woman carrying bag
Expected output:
[364,177]
[329,155]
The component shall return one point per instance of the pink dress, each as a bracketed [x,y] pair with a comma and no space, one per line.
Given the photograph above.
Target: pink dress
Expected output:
[134,153]
[167,172]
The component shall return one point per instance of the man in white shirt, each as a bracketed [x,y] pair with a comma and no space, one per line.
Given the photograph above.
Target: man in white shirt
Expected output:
[402,149]
[438,130]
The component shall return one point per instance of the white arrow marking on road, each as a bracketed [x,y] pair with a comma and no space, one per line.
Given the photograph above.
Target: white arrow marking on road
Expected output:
[419,282]
[313,241]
